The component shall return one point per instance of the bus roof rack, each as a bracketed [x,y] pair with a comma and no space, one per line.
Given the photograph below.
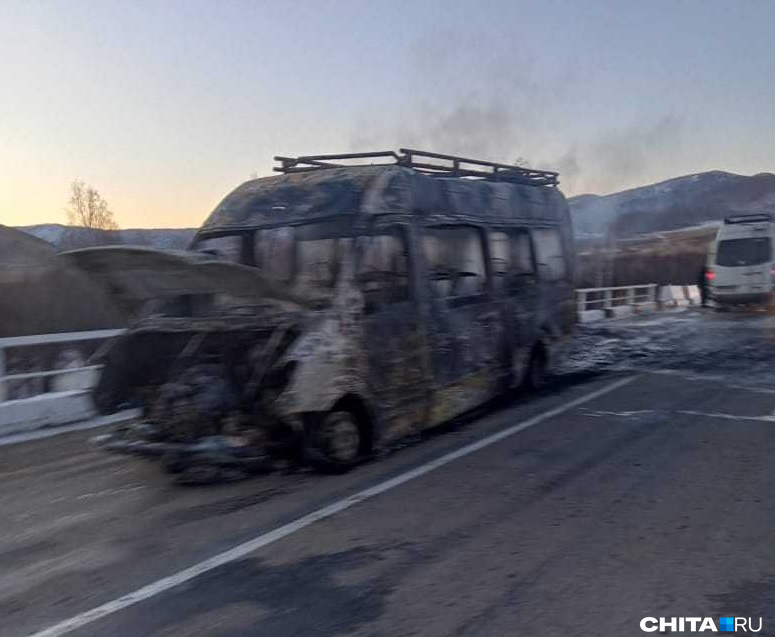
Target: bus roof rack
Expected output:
[436,164]
[754,218]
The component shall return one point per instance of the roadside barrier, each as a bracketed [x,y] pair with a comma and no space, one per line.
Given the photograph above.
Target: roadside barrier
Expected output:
[598,303]
[594,304]
[678,296]
[45,380]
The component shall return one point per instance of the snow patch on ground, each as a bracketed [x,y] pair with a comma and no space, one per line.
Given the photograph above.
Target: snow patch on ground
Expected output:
[738,348]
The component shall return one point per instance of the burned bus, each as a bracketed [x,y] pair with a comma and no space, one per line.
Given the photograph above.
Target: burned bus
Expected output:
[337,307]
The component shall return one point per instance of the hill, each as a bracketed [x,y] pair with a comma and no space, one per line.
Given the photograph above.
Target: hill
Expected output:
[66,237]
[41,293]
[685,201]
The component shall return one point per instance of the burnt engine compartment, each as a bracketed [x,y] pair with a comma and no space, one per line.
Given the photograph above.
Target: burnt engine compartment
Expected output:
[206,395]
[197,403]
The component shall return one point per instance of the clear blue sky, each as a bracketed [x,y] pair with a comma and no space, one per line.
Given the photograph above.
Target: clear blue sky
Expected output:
[165,106]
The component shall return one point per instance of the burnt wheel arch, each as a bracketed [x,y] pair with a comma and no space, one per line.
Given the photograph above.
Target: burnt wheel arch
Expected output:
[316,457]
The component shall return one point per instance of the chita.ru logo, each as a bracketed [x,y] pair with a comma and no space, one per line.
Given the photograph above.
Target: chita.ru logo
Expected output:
[701,624]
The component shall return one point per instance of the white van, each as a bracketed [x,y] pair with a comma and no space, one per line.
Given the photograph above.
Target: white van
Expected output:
[740,262]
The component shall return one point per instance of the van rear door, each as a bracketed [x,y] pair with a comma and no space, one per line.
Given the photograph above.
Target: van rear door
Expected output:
[743,265]
[556,309]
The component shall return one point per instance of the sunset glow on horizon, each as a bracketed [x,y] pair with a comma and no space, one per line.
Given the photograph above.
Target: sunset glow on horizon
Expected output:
[166,107]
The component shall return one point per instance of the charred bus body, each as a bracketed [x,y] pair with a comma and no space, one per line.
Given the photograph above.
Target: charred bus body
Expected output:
[334,309]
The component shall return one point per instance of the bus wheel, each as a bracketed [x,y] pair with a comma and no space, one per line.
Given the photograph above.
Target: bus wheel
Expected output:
[536,375]
[334,444]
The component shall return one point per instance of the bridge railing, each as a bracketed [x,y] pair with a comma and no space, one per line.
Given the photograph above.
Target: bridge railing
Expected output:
[606,299]
[46,363]
[57,363]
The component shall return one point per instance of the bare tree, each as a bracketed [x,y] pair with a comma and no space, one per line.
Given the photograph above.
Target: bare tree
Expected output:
[88,210]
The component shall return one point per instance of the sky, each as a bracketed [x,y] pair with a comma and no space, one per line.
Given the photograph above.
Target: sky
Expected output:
[165,106]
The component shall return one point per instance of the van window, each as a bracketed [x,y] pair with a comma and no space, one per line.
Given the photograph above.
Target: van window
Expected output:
[750,251]
[512,255]
[274,252]
[500,259]
[317,262]
[522,253]
[228,248]
[305,256]
[383,271]
[455,261]
[549,253]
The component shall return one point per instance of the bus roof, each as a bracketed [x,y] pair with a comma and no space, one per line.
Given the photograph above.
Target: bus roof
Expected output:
[334,191]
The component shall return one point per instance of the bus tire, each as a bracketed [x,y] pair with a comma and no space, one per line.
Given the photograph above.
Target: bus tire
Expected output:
[536,375]
[334,444]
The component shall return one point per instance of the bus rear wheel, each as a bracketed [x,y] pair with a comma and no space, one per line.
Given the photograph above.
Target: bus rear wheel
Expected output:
[536,375]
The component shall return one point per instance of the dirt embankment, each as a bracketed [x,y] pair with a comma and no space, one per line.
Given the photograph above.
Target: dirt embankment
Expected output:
[674,257]
[41,293]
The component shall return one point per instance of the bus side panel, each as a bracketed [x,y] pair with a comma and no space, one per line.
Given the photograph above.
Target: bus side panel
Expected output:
[465,332]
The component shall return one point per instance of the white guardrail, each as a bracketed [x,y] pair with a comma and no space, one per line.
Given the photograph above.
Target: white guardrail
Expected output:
[44,379]
[597,303]
[605,300]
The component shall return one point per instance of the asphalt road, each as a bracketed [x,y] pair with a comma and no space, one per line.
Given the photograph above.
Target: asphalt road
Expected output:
[634,493]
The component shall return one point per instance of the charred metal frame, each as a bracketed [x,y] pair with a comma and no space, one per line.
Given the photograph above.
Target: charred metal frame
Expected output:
[413,364]
[422,161]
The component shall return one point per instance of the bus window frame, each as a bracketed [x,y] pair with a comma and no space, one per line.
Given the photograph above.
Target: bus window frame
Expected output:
[540,267]
[485,293]
[509,289]
[403,233]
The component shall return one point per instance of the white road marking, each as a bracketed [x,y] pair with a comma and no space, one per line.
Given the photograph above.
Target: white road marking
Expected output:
[766,418]
[241,550]
[622,414]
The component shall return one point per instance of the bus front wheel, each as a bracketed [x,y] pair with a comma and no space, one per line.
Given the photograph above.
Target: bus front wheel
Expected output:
[334,443]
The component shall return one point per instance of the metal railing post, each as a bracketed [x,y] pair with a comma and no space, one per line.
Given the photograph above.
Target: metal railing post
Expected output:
[3,389]
[608,297]
[581,301]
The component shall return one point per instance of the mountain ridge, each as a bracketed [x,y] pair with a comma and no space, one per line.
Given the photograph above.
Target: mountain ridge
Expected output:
[678,202]
[63,236]
[674,203]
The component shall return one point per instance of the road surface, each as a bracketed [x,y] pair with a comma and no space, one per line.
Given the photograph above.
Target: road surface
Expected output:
[629,490]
